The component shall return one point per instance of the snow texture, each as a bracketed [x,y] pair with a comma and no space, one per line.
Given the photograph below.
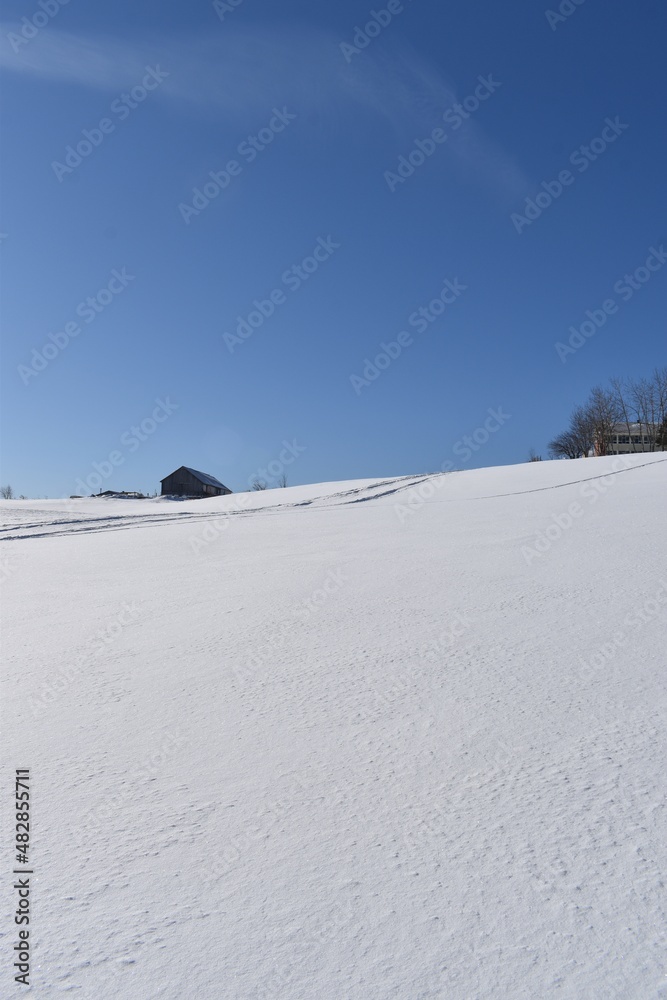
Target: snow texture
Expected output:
[354,741]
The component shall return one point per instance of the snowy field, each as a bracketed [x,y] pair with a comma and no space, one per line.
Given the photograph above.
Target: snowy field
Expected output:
[379,740]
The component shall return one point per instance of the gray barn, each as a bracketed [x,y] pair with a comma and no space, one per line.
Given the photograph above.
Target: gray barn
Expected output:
[187,482]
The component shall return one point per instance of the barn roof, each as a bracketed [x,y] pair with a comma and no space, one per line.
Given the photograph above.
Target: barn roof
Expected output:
[203,477]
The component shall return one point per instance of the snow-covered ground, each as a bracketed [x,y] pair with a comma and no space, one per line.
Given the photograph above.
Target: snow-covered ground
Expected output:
[354,741]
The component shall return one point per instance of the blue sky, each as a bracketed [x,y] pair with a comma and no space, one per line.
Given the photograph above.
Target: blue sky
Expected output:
[124,291]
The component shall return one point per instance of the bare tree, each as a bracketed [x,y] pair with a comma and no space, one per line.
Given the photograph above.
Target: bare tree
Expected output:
[643,394]
[661,436]
[579,439]
[565,445]
[6,492]
[282,481]
[259,484]
[621,389]
[660,388]
[583,431]
[603,413]
[533,456]
[639,404]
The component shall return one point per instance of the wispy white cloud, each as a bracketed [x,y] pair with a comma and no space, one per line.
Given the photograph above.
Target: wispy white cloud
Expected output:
[55,55]
[239,72]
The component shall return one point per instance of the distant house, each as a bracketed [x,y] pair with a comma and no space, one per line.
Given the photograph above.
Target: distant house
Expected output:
[187,482]
[626,439]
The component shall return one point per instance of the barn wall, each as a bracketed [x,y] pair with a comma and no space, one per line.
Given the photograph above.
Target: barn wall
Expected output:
[183,483]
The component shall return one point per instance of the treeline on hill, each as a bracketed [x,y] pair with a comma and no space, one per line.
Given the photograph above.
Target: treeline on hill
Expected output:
[640,405]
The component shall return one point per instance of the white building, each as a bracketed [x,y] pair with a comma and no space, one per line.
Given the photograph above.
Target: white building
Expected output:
[629,438]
